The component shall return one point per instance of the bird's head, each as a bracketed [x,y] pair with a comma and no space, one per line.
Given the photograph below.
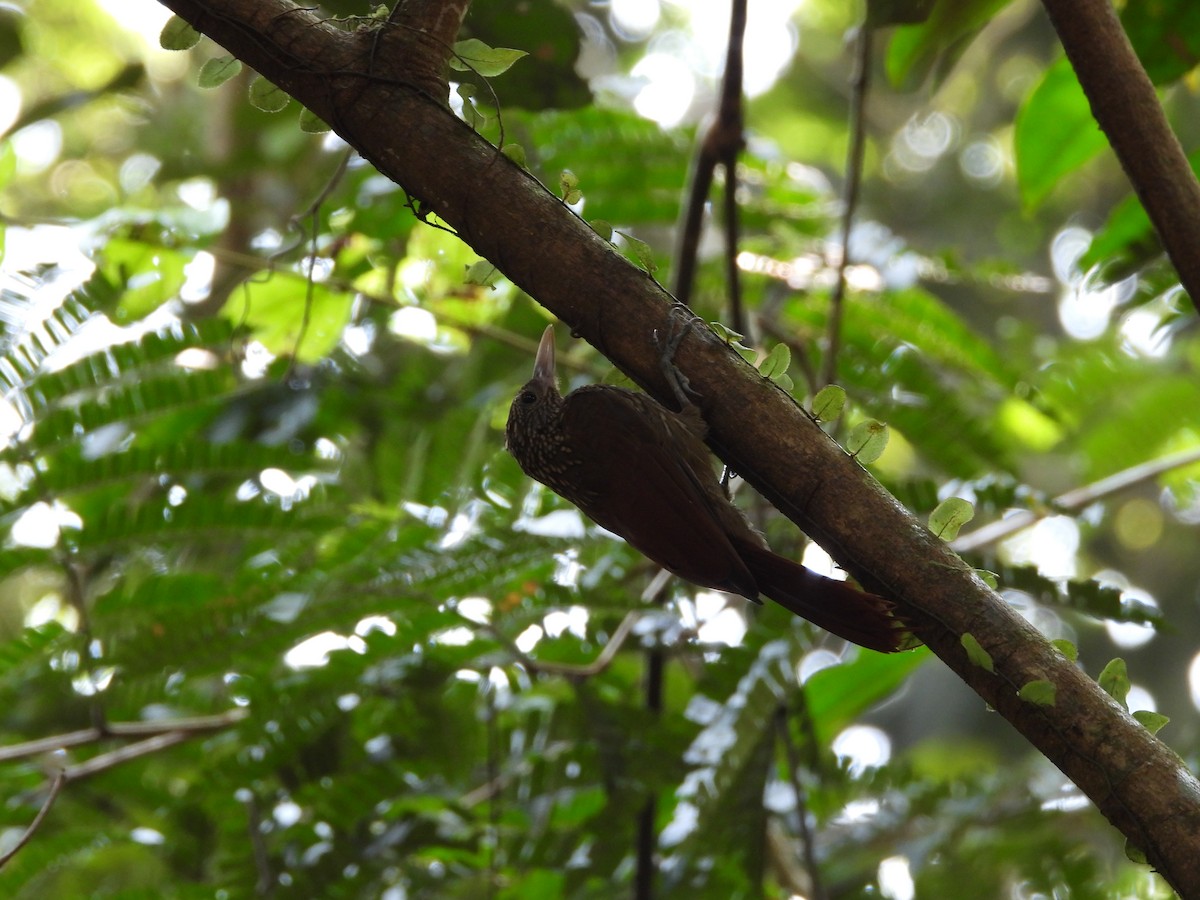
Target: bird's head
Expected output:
[537,402]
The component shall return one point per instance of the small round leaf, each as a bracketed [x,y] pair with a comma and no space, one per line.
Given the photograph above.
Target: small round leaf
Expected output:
[867,441]
[949,516]
[218,70]
[1039,692]
[827,406]
[178,35]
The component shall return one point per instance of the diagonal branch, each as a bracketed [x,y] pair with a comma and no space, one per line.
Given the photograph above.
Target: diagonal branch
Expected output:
[191,725]
[396,117]
[1074,500]
[1126,107]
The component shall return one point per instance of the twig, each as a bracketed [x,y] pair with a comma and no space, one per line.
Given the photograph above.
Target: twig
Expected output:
[55,787]
[816,888]
[647,834]
[1074,500]
[731,130]
[646,865]
[314,212]
[854,162]
[258,846]
[190,725]
[602,661]
[721,144]
[114,758]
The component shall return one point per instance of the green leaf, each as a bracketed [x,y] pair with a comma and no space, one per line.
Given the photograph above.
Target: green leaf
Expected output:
[483,273]
[1114,679]
[827,406]
[641,252]
[867,441]
[776,362]
[976,654]
[1039,693]
[178,35]
[916,51]
[266,96]
[1150,720]
[1066,648]
[470,112]
[1054,133]
[1166,36]
[949,516]
[152,275]
[775,365]
[311,123]
[568,187]
[474,55]
[218,70]
[840,694]
[8,163]
[1127,240]
[275,311]
[602,228]
[516,153]
[725,333]
[882,13]
[1090,596]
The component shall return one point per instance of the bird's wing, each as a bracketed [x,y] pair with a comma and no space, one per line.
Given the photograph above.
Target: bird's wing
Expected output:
[644,474]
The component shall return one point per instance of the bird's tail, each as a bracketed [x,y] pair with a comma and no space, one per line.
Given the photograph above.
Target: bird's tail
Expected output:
[865,619]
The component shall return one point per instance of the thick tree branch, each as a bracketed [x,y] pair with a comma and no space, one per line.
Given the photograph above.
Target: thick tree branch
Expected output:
[399,121]
[1127,109]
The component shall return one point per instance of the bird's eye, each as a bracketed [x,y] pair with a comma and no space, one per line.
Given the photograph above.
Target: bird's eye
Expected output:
[528,397]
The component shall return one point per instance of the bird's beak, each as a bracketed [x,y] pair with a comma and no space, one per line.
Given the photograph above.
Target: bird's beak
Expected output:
[543,366]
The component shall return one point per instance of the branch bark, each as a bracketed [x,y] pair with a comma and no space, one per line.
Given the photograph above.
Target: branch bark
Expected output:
[380,92]
[1126,107]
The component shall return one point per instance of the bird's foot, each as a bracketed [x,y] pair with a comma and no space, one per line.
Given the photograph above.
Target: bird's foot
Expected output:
[682,320]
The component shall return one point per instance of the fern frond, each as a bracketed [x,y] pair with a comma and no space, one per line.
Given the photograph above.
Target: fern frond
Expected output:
[30,334]
[69,472]
[129,404]
[30,648]
[103,369]
[731,758]
[199,518]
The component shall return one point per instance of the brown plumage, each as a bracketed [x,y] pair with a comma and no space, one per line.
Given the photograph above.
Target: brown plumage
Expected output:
[644,472]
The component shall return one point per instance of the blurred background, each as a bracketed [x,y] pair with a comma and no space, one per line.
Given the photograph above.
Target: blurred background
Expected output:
[255,497]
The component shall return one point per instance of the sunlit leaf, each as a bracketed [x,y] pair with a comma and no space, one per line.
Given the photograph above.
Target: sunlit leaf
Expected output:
[1055,133]
[867,441]
[178,35]
[266,96]
[473,55]
[976,654]
[950,516]
[1038,692]
[1152,721]
[1114,679]
[218,70]
[828,404]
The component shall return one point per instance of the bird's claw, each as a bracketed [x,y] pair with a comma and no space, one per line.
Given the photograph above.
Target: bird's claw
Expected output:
[682,320]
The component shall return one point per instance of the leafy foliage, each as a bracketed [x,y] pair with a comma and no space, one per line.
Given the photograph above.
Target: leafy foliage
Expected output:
[254,472]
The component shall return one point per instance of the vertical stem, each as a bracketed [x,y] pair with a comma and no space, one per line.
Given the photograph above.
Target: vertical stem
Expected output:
[647,837]
[854,160]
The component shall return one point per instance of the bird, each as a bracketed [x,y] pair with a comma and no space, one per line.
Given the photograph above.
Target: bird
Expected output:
[643,472]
